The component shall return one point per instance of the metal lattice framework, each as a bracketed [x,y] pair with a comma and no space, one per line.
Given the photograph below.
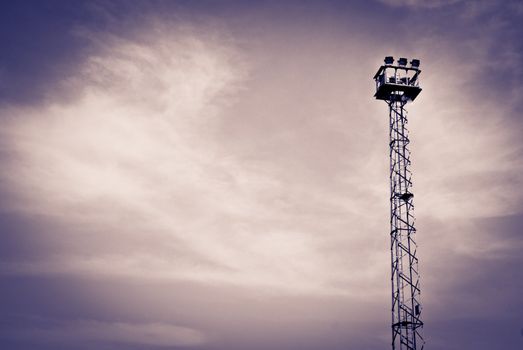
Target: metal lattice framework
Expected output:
[398,85]
[406,309]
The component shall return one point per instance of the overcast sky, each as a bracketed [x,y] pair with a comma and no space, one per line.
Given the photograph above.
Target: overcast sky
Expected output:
[213,175]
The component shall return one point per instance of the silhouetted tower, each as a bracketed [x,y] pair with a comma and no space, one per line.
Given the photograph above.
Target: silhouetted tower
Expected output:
[398,84]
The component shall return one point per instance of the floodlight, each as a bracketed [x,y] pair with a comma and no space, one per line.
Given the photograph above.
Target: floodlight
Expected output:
[414,63]
[389,60]
[402,61]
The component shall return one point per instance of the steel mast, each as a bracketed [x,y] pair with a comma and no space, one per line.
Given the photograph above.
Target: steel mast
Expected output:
[397,84]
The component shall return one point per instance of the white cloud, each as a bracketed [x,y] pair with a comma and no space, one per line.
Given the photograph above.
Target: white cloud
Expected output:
[139,152]
[181,158]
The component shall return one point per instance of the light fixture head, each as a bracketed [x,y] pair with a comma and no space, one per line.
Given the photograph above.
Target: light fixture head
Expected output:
[415,63]
[389,60]
[402,61]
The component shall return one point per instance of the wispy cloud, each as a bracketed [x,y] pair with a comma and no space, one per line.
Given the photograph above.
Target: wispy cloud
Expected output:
[156,148]
[141,151]
[93,332]
[419,3]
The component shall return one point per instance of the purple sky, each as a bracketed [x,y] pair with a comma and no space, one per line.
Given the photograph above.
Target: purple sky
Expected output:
[213,175]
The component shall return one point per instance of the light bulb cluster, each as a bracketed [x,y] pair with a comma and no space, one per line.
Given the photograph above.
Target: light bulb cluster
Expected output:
[389,60]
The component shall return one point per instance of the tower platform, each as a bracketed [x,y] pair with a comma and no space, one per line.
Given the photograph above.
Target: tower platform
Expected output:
[387,91]
[395,83]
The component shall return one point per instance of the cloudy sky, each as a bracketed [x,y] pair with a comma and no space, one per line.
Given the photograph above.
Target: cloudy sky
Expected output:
[213,175]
